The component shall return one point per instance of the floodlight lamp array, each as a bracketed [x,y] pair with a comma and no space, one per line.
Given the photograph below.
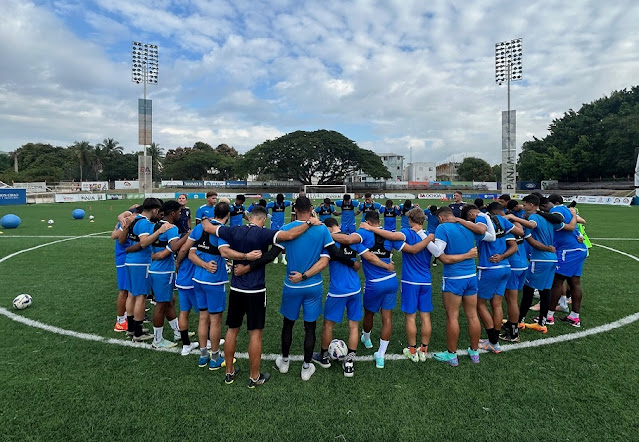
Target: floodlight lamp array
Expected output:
[508,56]
[145,65]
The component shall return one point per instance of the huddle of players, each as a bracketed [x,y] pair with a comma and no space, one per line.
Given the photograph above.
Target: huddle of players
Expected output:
[453,242]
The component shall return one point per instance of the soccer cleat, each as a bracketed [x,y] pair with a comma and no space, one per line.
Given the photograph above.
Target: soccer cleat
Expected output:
[163,344]
[276,260]
[521,325]
[261,379]
[349,369]
[536,294]
[215,365]
[486,345]
[507,335]
[537,327]
[448,357]
[474,355]
[152,301]
[575,322]
[281,364]
[536,307]
[323,362]
[222,341]
[379,360]
[435,264]
[187,349]
[284,260]
[230,377]
[422,353]
[412,356]
[120,327]
[367,342]
[204,360]
[143,337]
[307,372]
[549,320]
[146,319]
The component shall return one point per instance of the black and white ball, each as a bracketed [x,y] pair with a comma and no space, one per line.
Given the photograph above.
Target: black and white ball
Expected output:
[337,350]
[22,301]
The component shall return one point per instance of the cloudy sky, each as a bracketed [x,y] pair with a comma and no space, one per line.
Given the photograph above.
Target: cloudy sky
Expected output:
[389,75]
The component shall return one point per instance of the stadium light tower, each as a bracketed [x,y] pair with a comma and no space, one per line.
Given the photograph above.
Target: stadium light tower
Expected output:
[144,70]
[508,67]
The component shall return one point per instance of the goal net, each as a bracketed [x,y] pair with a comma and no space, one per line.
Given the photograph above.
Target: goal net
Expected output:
[321,191]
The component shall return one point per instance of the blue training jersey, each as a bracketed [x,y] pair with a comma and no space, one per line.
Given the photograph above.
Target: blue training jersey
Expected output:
[204,211]
[166,265]
[380,247]
[344,281]
[120,254]
[324,212]
[519,260]
[140,226]
[390,218]
[433,221]
[459,240]
[207,247]
[404,210]
[348,211]
[365,208]
[415,267]
[566,240]
[277,210]
[304,251]
[545,234]
[498,247]
[236,217]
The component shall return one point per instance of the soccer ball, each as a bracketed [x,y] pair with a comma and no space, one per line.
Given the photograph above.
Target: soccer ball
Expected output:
[50,221]
[337,350]
[22,301]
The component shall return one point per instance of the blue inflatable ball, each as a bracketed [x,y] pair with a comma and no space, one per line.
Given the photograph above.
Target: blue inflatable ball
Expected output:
[10,221]
[78,214]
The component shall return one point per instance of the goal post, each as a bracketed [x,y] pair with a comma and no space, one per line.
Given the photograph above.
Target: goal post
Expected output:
[321,191]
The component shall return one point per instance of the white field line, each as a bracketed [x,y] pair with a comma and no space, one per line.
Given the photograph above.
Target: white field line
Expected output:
[615,239]
[270,357]
[92,235]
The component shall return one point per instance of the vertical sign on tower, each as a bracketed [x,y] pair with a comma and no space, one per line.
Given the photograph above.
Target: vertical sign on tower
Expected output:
[145,122]
[508,150]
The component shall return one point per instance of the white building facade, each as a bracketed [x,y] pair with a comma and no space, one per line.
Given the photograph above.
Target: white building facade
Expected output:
[421,172]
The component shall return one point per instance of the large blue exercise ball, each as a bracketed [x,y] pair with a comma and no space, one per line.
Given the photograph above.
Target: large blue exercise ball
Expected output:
[10,221]
[78,214]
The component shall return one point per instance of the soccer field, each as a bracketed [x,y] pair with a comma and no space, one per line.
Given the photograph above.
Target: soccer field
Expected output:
[66,375]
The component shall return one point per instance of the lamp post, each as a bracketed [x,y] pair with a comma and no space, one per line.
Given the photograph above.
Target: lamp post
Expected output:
[144,70]
[508,67]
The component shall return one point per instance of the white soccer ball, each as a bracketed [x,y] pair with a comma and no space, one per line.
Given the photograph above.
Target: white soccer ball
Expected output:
[50,221]
[91,217]
[22,301]
[337,350]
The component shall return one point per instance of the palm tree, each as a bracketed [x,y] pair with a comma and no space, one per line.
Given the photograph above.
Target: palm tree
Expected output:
[84,152]
[109,148]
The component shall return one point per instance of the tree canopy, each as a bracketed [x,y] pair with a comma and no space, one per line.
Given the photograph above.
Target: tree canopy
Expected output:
[598,140]
[201,162]
[326,155]
[475,169]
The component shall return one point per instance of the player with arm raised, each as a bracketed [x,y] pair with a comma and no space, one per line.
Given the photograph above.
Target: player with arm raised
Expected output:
[347,206]
[325,210]
[367,206]
[278,209]
[390,213]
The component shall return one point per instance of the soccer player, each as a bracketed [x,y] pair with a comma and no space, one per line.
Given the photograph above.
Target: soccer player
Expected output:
[455,236]
[278,208]
[293,215]
[208,253]
[162,274]
[458,204]
[480,205]
[122,276]
[261,202]
[540,274]
[186,295]
[325,210]
[347,206]
[206,210]
[137,264]
[390,212]
[367,206]
[248,288]
[515,208]
[571,254]
[184,223]
[238,212]
[503,200]
[406,207]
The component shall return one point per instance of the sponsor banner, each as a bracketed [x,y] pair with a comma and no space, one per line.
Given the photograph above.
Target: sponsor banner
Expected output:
[172,183]
[606,200]
[485,185]
[123,185]
[214,184]
[236,184]
[259,195]
[487,196]
[10,197]
[528,185]
[39,187]
[461,183]
[333,196]
[431,196]
[79,197]
[165,195]
[267,196]
[400,196]
[193,183]
[116,196]
[441,183]
[196,196]
[549,184]
[418,184]
[94,186]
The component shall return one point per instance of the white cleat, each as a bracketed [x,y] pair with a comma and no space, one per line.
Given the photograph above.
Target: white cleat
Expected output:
[308,372]
[187,349]
[284,260]
[281,364]
[276,260]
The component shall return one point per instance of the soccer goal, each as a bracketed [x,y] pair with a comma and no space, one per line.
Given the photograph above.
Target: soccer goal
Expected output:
[321,191]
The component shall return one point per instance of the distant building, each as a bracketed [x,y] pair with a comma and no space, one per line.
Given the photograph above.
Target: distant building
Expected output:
[448,171]
[422,172]
[394,163]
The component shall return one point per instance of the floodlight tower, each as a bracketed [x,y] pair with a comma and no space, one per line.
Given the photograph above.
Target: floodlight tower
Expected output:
[508,67]
[144,70]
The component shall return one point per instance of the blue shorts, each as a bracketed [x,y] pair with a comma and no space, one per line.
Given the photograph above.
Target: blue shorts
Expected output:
[516,280]
[335,305]
[348,228]
[380,295]
[492,282]
[571,263]
[309,298]
[188,299]
[210,297]
[123,278]
[460,287]
[162,285]
[540,274]
[139,280]
[416,297]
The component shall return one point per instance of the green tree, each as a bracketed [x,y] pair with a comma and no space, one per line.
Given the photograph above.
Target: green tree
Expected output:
[496,173]
[121,167]
[85,155]
[326,155]
[475,169]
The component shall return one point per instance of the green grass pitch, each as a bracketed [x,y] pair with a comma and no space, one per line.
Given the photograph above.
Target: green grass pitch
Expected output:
[57,387]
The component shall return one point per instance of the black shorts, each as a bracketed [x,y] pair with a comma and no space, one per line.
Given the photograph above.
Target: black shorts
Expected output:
[253,305]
